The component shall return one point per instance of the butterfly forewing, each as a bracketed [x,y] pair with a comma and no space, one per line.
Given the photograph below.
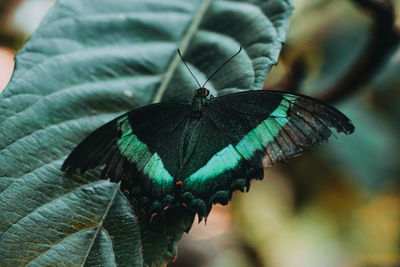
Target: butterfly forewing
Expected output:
[280,124]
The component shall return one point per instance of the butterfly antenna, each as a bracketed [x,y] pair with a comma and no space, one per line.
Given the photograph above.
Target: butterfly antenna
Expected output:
[179,52]
[226,62]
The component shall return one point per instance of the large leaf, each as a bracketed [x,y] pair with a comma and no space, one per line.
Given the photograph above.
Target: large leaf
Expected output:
[88,62]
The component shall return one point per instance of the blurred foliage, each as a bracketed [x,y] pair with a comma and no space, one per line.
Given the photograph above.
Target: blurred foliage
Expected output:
[19,18]
[338,205]
[9,37]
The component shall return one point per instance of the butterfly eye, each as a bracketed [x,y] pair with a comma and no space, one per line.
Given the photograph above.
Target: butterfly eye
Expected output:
[206,92]
[195,92]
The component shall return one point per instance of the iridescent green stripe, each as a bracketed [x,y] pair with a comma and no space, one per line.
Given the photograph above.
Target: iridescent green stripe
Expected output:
[222,161]
[137,152]
[155,170]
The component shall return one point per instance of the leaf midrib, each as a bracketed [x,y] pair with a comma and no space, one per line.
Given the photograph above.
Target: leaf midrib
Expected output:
[100,224]
[192,29]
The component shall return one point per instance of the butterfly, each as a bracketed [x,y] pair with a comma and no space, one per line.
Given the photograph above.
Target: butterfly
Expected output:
[193,155]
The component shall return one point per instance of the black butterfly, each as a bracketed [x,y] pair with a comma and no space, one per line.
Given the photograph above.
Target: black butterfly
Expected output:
[195,154]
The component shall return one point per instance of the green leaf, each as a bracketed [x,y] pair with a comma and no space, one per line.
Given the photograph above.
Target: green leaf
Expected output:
[47,221]
[88,62]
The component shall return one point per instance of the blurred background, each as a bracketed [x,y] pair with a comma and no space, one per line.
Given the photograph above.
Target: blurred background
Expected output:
[339,204]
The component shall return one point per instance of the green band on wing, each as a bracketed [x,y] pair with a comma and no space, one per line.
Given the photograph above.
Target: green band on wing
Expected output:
[257,139]
[137,152]
[281,110]
[226,159]
[155,170]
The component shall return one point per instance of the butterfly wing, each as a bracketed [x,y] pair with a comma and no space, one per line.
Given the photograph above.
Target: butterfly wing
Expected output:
[129,148]
[247,131]
[151,148]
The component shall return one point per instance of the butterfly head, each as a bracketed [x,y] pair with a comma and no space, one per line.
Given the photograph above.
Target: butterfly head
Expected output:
[199,101]
[201,92]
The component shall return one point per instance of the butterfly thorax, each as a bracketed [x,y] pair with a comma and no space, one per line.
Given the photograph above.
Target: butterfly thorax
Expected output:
[191,130]
[199,102]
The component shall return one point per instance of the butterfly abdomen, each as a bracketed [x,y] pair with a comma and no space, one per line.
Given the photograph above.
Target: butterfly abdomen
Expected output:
[189,140]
